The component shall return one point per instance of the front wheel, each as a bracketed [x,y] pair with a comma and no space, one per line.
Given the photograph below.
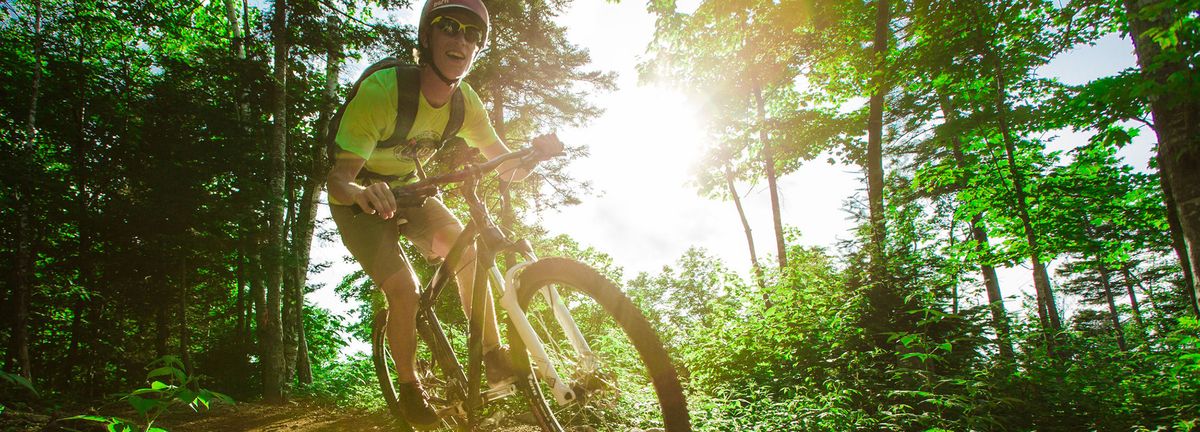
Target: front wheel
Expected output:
[631,383]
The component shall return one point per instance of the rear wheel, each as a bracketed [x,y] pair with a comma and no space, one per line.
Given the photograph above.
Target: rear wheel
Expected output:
[633,384]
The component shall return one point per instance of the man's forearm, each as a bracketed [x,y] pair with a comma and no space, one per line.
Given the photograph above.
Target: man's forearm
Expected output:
[342,190]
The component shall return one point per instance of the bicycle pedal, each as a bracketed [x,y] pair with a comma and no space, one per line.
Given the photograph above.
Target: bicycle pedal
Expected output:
[451,412]
[500,392]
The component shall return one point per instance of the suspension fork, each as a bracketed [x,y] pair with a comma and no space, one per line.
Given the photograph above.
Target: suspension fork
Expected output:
[564,393]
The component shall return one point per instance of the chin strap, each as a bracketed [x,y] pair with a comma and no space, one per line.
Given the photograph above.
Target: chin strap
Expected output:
[450,82]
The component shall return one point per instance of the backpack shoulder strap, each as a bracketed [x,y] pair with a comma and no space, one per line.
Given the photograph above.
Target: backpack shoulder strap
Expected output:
[335,122]
[457,114]
[408,92]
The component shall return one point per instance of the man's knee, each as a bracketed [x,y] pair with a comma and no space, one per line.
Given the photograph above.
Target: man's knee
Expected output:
[444,238]
[400,286]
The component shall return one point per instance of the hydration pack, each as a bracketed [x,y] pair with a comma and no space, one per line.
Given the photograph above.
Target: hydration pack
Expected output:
[408,91]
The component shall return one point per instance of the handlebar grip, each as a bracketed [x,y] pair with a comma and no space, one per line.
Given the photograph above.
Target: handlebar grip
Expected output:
[403,200]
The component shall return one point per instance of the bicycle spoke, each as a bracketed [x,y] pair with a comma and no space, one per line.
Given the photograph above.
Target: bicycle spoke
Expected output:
[614,391]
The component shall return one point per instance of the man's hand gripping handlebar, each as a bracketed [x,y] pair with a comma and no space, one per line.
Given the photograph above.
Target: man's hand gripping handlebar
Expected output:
[542,148]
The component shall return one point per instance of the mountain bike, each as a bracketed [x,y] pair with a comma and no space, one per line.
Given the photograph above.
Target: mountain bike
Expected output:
[586,357]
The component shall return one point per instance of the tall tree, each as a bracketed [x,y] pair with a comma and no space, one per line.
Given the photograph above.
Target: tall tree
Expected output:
[22,279]
[271,335]
[536,81]
[982,242]
[737,202]
[736,56]
[874,159]
[1163,39]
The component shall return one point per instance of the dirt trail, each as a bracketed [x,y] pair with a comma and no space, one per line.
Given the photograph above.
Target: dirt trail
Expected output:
[295,417]
[244,417]
[250,417]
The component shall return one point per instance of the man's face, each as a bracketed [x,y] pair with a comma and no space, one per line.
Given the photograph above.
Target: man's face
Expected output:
[450,41]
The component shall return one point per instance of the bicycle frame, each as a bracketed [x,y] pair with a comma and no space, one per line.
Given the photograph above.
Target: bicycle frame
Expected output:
[489,242]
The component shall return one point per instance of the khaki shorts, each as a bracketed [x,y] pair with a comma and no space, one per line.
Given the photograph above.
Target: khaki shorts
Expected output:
[374,242]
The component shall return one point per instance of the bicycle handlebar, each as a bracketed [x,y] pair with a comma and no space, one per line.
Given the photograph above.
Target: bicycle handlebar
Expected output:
[538,152]
[543,148]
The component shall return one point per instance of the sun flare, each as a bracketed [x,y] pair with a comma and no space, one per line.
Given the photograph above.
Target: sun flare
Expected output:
[666,133]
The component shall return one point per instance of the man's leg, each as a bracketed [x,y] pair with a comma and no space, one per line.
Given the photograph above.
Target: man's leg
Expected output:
[443,240]
[373,242]
[434,230]
[402,297]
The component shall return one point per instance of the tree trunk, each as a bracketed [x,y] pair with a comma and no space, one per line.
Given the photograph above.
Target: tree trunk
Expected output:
[1176,114]
[1154,303]
[22,286]
[308,210]
[244,306]
[239,48]
[737,202]
[292,293]
[1177,242]
[80,173]
[73,353]
[1133,301]
[954,284]
[768,156]
[1047,308]
[1112,306]
[185,333]
[258,293]
[271,335]
[22,283]
[991,283]
[304,373]
[162,329]
[240,287]
[874,166]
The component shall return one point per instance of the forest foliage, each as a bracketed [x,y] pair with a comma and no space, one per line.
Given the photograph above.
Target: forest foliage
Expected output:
[161,185]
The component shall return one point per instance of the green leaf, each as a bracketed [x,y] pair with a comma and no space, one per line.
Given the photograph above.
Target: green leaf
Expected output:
[19,380]
[222,397]
[159,385]
[186,396]
[162,371]
[143,405]
[143,391]
[94,418]
[23,382]
[168,371]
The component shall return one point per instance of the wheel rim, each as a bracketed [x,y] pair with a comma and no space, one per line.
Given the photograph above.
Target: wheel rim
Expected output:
[619,394]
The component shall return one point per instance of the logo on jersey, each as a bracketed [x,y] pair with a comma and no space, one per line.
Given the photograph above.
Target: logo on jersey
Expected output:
[421,147]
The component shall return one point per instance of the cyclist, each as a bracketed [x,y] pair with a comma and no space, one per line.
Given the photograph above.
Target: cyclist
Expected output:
[449,36]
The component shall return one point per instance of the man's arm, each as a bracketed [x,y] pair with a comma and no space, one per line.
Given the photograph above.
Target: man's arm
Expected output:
[374,199]
[508,171]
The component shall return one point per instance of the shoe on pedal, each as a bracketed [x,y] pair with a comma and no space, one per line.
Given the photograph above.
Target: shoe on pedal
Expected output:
[415,405]
[499,367]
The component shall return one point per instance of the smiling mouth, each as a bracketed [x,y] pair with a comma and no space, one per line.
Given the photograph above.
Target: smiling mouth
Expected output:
[455,55]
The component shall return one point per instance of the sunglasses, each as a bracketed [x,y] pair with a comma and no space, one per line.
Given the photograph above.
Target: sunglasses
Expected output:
[452,27]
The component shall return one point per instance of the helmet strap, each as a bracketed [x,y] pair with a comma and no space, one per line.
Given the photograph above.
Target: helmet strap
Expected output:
[450,82]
